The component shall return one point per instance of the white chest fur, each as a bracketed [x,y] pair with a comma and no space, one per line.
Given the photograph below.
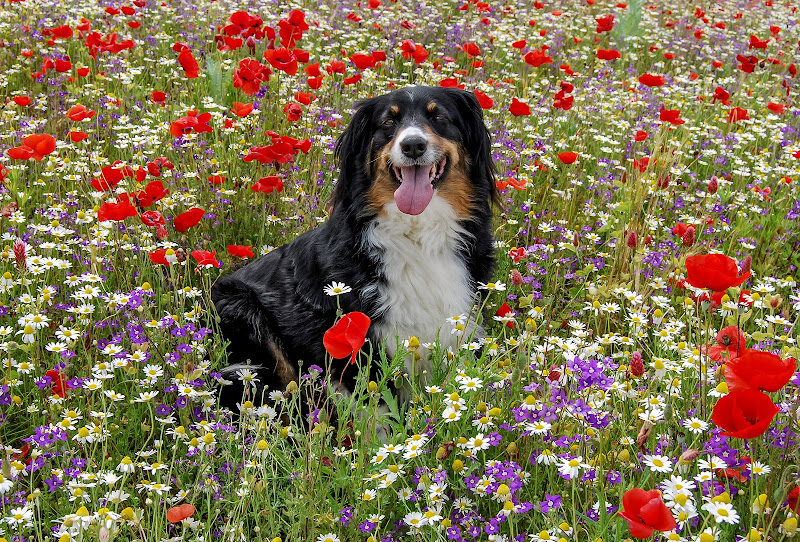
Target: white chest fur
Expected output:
[426,280]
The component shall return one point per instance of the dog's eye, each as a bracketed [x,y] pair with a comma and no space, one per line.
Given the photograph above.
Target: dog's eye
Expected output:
[439,118]
[389,122]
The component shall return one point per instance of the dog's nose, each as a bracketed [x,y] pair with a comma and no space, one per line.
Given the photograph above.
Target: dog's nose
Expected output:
[414,146]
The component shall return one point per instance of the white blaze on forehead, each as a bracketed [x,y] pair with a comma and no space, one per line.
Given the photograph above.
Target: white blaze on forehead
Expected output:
[396,153]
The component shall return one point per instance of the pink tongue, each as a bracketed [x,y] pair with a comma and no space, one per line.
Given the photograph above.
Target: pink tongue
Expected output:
[416,191]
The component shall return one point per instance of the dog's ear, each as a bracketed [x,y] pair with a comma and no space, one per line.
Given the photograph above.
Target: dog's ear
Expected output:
[352,145]
[477,142]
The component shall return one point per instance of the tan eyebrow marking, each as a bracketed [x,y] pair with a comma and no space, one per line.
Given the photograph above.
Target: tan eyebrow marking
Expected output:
[431,107]
[395,110]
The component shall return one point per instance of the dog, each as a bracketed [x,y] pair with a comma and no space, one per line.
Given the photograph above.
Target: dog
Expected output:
[409,231]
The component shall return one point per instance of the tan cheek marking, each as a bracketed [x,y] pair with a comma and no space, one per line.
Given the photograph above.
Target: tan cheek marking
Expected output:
[383,186]
[457,188]
[284,370]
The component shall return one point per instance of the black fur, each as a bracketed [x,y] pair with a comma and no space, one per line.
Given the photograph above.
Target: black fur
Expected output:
[277,303]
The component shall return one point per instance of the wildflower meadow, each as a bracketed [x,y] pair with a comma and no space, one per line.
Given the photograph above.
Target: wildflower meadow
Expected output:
[637,376]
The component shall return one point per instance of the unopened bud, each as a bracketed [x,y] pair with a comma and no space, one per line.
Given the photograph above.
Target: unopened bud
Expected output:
[747,264]
[516,277]
[644,434]
[19,252]
[713,185]
[689,455]
[637,365]
[632,240]
[688,237]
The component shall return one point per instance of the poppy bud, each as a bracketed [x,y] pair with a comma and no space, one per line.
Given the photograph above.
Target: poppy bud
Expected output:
[516,277]
[644,434]
[689,455]
[713,185]
[688,237]
[632,240]
[251,44]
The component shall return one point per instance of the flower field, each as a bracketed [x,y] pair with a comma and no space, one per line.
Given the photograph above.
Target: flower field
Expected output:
[638,378]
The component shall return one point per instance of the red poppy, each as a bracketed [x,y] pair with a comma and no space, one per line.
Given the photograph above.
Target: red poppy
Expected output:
[83,72]
[63,65]
[158,97]
[293,112]
[282,59]
[117,211]
[177,514]
[640,135]
[241,109]
[154,219]
[58,385]
[304,98]
[347,336]
[282,150]
[605,24]
[191,123]
[471,49]
[35,146]
[744,414]
[651,80]
[22,100]
[335,66]
[567,157]
[721,95]
[205,257]
[159,257]
[671,116]
[747,63]
[186,220]
[78,136]
[450,82]
[505,310]
[243,23]
[608,54]
[79,112]
[562,101]
[756,43]
[519,108]
[759,370]
[216,179]
[485,101]
[111,175]
[241,251]
[537,57]
[273,183]
[352,80]
[737,114]
[249,75]
[153,192]
[409,49]
[792,499]
[731,343]
[291,28]
[62,32]
[778,109]
[646,512]
[716,272]
[190,66]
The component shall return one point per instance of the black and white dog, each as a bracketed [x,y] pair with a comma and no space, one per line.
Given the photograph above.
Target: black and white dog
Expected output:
[409,232]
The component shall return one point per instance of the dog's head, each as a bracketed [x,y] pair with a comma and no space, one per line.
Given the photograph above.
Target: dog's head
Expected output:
[405,146]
